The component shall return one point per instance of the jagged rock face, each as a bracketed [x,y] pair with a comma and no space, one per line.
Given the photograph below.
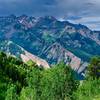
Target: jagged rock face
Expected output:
[40,62]
[52,40]
[56,53]
[96,36]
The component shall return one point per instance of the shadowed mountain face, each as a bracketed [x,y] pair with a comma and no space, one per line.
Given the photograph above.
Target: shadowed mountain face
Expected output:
[50,39]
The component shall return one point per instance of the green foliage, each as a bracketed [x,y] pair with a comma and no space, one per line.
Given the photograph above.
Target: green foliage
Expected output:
[53,84]
[89,89]
[20,81]
[14,68]
[12,71]
[4,81]
[94,68]
[58,83]
[11,93]
[30,82]
[28,94]
[31,64]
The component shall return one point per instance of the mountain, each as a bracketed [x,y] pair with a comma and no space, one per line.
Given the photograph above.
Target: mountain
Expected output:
[51,39]
[15,50]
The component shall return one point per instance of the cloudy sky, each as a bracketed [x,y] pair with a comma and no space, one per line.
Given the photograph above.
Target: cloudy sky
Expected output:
[77,11]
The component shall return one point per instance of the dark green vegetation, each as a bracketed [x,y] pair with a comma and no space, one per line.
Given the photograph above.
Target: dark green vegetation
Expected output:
[29,82]
[89,89]
[19,81]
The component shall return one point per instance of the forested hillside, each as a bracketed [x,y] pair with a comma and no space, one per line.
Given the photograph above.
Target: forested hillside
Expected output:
[28,81]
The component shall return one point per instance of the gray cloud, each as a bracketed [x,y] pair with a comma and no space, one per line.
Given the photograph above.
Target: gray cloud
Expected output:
[50,7]
[74,10]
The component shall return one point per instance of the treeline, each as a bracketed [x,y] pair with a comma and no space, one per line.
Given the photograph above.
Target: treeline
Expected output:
[29,82]
[14,68]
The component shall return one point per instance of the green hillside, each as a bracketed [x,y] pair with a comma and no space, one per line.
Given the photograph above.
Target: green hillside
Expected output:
[20,81]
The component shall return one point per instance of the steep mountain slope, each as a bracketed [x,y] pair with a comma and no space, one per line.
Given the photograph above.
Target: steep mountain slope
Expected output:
[57,53]
[51,54]
[52,40]
[40,62]
[11,48]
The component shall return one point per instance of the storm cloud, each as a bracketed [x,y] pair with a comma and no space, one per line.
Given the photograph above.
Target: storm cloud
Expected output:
[78,11]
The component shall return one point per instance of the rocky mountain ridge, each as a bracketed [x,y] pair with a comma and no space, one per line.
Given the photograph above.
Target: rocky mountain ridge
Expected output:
[51,39]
